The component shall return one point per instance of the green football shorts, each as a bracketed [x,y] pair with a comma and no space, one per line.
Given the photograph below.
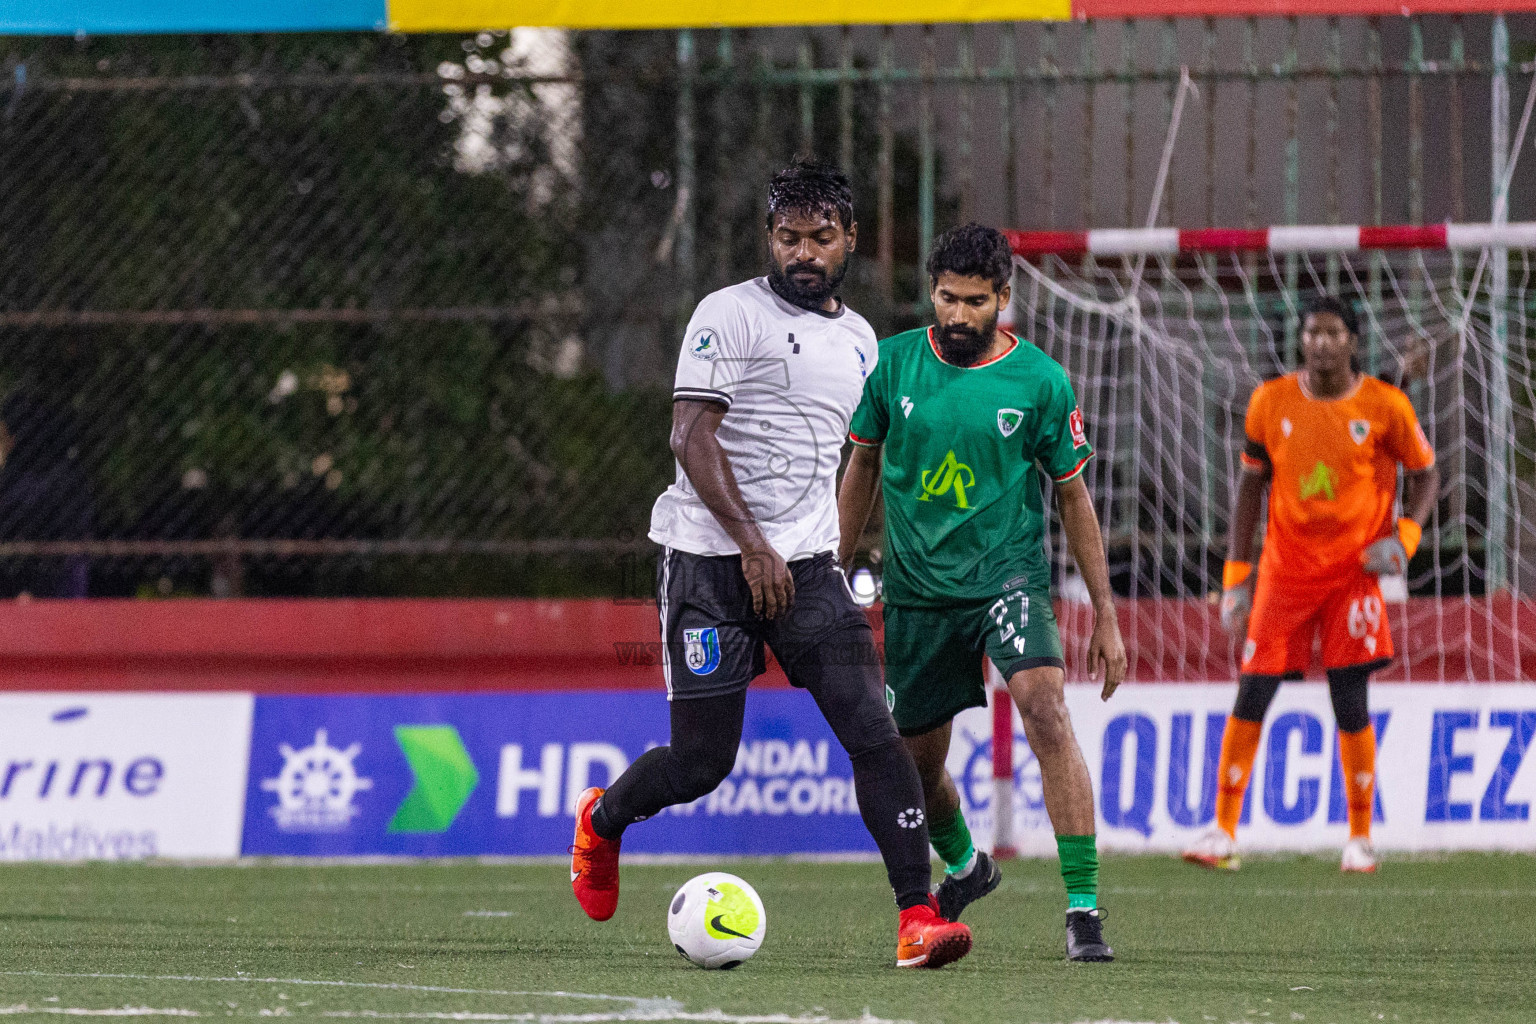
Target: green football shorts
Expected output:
[933,667]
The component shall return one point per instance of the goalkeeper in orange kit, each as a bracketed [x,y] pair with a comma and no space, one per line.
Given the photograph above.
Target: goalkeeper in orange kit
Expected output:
[1327,442]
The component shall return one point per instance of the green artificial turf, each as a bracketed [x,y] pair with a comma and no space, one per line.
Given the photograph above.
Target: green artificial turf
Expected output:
[1447,939]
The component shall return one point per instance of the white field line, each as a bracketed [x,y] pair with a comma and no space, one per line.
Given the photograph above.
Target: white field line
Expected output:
[641,1008]
[75,1011]
[390,986]
[490,913]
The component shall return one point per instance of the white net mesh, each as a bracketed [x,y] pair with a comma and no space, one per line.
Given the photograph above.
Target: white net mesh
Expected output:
[1164,357]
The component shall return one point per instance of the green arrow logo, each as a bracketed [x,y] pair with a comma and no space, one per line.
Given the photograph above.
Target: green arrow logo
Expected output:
[445,777]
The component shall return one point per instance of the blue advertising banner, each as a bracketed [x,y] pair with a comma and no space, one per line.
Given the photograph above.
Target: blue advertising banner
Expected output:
[1455,769]
[499,773]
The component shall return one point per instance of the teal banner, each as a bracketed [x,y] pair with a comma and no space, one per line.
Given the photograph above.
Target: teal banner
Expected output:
[93,17]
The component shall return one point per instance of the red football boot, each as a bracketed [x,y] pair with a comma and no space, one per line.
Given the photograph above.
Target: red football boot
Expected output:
[595,863]
[927,940]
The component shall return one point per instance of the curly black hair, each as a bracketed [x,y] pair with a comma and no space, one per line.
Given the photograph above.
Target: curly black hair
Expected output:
[810,186]
[972,250]
[1323,303]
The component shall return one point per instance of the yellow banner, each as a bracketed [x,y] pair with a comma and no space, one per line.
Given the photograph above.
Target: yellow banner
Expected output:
[473,15]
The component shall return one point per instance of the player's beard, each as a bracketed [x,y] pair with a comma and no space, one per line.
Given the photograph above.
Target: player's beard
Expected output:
[807,295]
[964,345]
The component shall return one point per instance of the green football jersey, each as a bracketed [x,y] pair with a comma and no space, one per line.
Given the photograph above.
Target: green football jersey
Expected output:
[964,512]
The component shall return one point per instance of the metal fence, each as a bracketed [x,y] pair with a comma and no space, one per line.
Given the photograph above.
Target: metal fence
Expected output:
[397,315]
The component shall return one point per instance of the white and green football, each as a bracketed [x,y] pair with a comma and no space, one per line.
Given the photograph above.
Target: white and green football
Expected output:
[716,920]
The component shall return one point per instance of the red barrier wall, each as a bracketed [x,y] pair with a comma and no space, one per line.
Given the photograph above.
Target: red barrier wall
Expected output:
[320,646]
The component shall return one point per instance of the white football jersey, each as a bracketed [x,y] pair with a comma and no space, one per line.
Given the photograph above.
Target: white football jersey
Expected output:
[790,379]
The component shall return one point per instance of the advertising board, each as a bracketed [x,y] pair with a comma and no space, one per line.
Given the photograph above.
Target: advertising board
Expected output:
[131,776]
[92,776]
[499,774]
[1453,768]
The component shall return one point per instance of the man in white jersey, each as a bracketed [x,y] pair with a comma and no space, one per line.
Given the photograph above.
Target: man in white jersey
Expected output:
[767,380]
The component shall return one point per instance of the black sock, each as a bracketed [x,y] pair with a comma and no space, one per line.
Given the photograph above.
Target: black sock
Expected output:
[705,734]
[601,823]
[891,802]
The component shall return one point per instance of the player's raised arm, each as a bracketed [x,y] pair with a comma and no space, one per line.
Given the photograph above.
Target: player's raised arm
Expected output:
[698,451]
[1106,649]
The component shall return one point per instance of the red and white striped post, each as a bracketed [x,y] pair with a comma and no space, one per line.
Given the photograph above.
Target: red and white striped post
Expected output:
[1003,846]
[1292,238]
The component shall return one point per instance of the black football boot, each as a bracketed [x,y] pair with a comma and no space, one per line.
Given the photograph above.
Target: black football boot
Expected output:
[955,894]
[1085,937]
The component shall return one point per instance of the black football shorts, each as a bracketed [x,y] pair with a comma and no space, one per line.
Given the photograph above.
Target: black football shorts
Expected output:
[713,643]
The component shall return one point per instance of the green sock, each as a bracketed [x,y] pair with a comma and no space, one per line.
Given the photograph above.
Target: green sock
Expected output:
[1079,870]
[951,839]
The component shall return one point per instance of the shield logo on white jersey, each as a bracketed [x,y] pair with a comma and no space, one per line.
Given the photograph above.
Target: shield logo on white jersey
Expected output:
[701,650]
[1359,430]
[1008,421]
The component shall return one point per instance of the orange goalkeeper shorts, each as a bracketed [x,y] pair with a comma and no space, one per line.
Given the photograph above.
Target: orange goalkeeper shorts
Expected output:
[1288,615]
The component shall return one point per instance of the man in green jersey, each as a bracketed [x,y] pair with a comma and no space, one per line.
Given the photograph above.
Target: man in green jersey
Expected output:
[963,414]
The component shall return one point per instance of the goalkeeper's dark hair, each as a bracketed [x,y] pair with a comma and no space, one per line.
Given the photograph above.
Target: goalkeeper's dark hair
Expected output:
[1324,303]
[810,186]
[972,250]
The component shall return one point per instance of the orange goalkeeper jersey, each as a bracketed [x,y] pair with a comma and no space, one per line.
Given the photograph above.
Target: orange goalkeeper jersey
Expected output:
[1335,472]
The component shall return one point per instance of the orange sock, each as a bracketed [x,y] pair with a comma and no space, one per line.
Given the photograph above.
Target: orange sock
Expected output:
[1239,744]
[1357,756]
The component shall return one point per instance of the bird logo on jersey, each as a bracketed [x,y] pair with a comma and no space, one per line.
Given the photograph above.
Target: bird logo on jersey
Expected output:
[1008,421]
[705,344]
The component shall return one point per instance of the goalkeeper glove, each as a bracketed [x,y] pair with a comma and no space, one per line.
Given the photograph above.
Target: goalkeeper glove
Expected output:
[1236,597]
[1389,556]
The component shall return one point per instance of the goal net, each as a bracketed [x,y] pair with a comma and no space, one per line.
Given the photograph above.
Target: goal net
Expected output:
[1166,334]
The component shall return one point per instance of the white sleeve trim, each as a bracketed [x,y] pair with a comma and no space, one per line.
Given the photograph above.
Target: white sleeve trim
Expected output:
[702,395]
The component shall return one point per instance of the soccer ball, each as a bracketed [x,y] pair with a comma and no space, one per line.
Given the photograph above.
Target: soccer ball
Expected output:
[716,920]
